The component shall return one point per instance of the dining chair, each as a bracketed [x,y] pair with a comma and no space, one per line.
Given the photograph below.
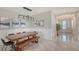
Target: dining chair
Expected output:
[24,32]
[11,34]
[7,44]
[18,33]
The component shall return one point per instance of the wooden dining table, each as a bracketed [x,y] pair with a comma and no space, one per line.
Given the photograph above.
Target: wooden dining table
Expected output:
[17,37]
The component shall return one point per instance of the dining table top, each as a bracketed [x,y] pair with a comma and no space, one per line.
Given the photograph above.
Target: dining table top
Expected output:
[21,35]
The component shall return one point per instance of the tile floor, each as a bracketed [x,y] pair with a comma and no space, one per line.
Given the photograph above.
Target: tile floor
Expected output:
[64,42]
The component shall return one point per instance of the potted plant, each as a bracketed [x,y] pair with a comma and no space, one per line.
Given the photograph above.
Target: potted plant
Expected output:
[57,28]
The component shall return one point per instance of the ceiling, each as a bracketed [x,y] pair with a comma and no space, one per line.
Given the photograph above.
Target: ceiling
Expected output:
[37,10]
[56,10]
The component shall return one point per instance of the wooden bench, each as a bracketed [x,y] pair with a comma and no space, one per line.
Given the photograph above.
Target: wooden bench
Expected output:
[21,45]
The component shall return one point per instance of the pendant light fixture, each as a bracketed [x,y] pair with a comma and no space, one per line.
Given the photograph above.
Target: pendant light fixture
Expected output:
[27,8]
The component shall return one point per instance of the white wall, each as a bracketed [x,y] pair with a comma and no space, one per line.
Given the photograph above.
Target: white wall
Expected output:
[77,24]
[46,31]
[53,26]
[7,13]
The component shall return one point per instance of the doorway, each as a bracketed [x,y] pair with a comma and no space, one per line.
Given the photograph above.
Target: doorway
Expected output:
[66,28]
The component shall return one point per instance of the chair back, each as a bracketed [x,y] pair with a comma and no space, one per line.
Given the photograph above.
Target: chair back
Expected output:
[3,41]
[10,34]
[23,32]
[18,33]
